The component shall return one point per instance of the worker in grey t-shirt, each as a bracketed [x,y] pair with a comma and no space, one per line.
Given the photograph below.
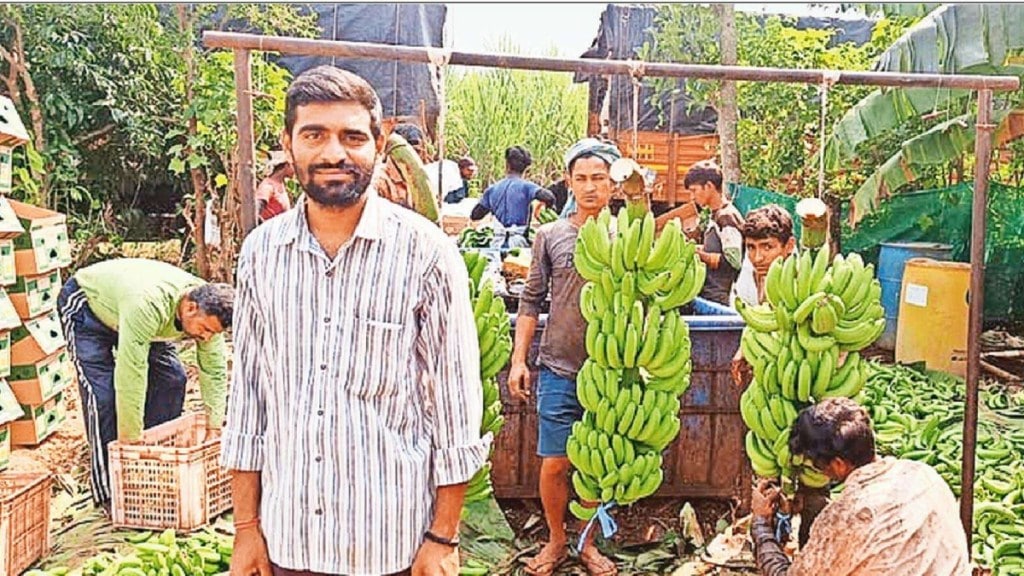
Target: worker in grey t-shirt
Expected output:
[722,250]
[562,349]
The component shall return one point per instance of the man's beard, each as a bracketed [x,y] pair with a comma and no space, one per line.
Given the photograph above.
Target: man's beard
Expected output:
[337,194]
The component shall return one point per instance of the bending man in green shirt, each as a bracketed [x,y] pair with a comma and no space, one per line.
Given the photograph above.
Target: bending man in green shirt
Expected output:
[137,309]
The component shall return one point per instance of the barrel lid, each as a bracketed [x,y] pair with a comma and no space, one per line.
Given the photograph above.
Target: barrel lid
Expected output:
[919,245]
[932,263]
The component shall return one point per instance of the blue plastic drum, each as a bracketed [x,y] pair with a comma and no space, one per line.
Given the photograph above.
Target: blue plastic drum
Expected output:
[892,258]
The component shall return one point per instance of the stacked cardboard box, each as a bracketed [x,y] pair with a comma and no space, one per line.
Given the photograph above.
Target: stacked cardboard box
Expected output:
[34,246]
[12,134]
[40,368]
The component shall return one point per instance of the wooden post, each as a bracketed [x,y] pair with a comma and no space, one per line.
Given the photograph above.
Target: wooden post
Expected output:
[979,213]
[246,152]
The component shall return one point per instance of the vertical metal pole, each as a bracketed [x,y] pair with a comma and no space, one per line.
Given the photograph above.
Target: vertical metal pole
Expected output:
[246,182]
[979,214]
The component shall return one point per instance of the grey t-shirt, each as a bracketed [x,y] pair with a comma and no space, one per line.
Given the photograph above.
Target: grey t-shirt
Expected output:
[723,236]
[562,348]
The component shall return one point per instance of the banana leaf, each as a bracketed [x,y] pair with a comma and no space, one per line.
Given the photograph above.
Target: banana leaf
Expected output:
[938,145]
[953,39]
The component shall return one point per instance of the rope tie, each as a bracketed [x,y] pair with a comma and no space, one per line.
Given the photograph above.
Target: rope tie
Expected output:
[439,57]
[828,79]
[636,74]
[608,525]
[783,527]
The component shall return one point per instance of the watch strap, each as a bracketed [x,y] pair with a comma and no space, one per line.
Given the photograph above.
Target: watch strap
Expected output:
[441,540]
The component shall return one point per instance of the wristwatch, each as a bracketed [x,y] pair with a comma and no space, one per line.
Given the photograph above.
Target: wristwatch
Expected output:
[440,540]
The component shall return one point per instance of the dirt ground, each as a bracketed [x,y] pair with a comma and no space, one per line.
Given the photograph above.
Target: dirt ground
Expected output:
[649,540]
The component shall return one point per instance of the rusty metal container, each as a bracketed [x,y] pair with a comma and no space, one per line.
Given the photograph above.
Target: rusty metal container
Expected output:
[707,460]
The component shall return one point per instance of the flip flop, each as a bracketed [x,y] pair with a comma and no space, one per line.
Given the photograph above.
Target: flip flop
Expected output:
[596,563]
[537,567]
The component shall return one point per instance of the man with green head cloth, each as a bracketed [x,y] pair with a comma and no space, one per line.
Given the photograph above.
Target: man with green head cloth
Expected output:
[594,147]
[562,347]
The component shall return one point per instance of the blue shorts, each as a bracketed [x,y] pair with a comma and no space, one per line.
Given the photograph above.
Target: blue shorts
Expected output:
[558,409]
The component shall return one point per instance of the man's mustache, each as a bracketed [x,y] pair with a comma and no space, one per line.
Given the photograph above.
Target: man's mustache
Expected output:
[342,166]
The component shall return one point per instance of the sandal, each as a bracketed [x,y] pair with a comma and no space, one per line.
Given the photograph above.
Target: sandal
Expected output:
[596,563]
[545,563]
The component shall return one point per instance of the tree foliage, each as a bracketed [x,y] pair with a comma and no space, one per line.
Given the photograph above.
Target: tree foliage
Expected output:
[488,111]
[102,87]
[952,39]
[778,133]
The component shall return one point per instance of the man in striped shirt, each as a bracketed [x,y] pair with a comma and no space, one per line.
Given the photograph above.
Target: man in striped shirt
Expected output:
[354,416]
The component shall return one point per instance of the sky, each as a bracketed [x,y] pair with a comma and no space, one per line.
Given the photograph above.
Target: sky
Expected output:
[537,27]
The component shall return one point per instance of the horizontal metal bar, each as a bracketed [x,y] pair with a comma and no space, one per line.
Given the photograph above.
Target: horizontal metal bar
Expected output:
[284,45]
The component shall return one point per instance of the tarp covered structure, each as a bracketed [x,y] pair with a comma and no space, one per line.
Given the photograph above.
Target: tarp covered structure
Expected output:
[623,31]
[404,88]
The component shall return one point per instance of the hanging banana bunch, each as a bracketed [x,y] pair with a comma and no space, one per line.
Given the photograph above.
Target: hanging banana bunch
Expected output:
[802,345]
[495,339]
[638,349]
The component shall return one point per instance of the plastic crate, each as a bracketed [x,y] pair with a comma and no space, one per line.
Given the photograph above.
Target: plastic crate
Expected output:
[24,520]
[170,479]
[5,445]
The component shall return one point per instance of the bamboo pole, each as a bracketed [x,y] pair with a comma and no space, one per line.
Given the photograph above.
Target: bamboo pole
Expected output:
[247,185]
[979,214]
[283,45]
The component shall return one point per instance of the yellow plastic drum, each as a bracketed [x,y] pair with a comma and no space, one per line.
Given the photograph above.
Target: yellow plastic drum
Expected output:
[933,315]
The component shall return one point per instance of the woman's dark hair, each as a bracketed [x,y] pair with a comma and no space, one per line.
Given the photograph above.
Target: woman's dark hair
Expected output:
[517,159]
[833,428]
[327,84]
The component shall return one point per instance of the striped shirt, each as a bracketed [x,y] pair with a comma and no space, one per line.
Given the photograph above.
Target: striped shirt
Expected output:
[356,387]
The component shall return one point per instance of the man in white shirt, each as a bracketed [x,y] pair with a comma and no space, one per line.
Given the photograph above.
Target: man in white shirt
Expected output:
[767,236]
[353,423]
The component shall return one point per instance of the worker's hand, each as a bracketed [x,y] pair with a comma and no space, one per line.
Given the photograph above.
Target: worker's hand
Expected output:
[742,373]
[519,381]
[433,559]
[764,499]
[130,441]
[250,557]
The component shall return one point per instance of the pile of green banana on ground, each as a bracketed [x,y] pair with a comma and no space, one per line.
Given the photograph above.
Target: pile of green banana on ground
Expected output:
[802,345]
[638,349]
[920,417]
[199,554]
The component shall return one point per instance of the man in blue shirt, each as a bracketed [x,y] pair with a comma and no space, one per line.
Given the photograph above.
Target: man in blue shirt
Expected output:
[509,198]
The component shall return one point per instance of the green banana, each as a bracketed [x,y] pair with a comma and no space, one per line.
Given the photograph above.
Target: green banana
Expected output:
[803,276]
[757,318]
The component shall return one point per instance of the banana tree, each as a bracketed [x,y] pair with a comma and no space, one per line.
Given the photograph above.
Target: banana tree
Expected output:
[952,39]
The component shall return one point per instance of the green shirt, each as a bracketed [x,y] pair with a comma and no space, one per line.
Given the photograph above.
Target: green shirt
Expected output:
[139,299]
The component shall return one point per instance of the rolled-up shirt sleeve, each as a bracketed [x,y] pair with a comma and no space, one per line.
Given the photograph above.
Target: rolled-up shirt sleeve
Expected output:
[539,279]
[449,356]
[242,441]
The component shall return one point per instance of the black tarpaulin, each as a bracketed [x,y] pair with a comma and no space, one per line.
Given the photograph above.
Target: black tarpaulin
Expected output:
[623,31]
[402,86]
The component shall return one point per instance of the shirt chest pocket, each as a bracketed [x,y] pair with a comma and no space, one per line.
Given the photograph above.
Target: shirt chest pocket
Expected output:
[380,360]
